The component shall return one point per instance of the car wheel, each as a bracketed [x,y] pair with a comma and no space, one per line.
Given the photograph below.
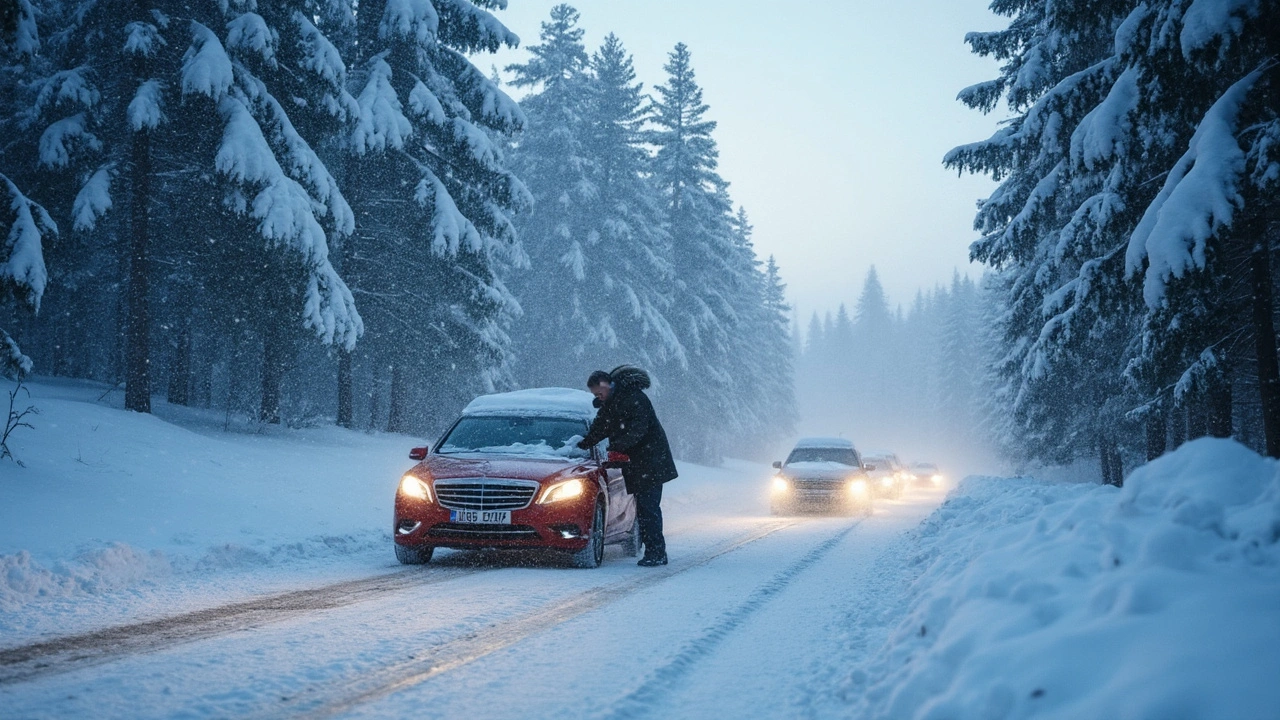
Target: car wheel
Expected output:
[632,546]
[593,554]
[414,556]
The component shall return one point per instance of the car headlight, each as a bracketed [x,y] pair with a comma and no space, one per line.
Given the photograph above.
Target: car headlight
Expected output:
[858,487]
[414,487]
[781,484]
[937,478]
[887,480]
[563,491]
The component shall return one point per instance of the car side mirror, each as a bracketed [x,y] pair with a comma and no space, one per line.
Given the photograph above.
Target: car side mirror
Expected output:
[870,468]
[615,461]
[777,464]
[418,453]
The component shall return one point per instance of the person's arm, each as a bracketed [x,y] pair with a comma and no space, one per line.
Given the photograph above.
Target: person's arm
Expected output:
[598,431]
[634,420]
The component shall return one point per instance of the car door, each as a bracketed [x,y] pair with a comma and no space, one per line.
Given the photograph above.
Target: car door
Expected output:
[622,507]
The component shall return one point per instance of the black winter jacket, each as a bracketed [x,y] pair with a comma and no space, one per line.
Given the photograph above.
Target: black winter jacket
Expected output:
[628,420]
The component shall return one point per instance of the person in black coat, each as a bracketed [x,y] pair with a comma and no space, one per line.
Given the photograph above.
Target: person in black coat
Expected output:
[627,419]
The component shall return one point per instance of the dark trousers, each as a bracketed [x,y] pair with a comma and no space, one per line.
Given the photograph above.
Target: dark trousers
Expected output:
[649,512]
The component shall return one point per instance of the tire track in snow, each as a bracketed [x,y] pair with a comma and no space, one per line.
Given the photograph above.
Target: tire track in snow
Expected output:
[72,652]
[459,651]
[663,679]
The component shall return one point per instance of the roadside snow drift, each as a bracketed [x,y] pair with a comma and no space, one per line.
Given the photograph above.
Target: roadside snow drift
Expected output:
[1158,600]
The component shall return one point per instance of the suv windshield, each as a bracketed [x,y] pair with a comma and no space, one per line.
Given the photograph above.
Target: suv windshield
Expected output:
[539,436]
[844,456]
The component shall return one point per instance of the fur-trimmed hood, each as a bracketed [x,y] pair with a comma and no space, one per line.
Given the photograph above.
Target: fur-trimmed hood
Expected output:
[630,377]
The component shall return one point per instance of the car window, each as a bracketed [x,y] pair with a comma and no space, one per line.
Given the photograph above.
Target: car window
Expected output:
[844,456]
[534,436]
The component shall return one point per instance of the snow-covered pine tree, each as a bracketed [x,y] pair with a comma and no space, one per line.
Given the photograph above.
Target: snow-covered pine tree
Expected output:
[433,198]
[595,233]
[1109,96]
[23,222]
[140,91]
[701,396]
[762,355]
[1056,222]
[1205,243]
[778,344]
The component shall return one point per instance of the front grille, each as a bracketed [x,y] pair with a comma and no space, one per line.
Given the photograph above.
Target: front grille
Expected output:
[456,531]
[485,494]
[818,487]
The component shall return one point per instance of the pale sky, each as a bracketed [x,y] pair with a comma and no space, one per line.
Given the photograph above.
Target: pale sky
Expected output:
[833,119]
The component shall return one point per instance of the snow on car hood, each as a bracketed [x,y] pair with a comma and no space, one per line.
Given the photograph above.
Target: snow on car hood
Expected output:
[823,469]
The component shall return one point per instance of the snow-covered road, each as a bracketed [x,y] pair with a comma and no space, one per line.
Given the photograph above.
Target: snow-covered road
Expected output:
[738,625]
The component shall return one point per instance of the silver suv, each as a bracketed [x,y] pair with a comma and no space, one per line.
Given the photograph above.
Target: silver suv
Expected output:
[822,475]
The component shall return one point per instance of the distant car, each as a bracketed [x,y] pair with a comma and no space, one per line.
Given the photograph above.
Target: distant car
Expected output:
[509,474]
[927,474]
[821,474]
[888,476]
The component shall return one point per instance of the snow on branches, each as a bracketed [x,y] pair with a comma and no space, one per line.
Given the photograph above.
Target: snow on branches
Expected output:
[22,270]
[1199,197]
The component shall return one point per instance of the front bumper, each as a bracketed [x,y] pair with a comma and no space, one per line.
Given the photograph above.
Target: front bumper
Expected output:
[560,526]
[819,496]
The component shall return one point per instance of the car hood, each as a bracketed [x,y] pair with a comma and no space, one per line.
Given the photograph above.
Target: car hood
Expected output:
[819,470]
[441,467]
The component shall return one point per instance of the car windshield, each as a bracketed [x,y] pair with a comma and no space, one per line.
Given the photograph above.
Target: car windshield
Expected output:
[844,456]
[534,436]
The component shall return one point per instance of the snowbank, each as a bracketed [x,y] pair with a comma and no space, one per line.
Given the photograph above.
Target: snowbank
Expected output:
[112,500]
[1073,600]
[551,402]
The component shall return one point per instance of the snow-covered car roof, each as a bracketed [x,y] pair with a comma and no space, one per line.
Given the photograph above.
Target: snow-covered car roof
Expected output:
[536,402]
[824,442]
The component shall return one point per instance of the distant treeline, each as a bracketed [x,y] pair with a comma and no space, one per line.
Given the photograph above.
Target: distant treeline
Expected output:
[322,211]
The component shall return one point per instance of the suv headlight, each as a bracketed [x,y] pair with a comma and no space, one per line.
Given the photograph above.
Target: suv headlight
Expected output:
[781,484]
[563,491]
[415,487]
[858,486]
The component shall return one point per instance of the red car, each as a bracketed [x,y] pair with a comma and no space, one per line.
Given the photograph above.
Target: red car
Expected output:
[509,474]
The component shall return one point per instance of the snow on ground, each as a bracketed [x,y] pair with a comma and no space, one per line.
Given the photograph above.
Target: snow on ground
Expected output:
[1078,600]
[1014,598]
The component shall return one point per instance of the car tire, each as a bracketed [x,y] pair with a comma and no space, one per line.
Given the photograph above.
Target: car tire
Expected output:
[414,556]
[631,548]
[593,554]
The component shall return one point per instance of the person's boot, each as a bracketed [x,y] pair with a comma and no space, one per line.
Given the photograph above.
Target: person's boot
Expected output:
[653,560]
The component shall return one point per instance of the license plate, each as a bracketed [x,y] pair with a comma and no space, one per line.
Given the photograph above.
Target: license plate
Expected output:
[481,517]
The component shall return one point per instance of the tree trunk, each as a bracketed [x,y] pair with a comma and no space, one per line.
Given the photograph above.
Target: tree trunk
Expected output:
[1197,419]
[1109,456]
[273,356]
[180,369]
[1219,415]
[346,407]
[1264,333]
[397,420]
[1156,430]
[1177,427]
[137,377]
